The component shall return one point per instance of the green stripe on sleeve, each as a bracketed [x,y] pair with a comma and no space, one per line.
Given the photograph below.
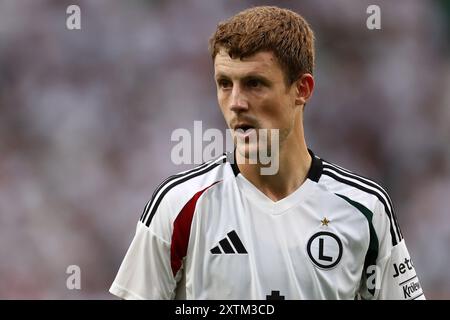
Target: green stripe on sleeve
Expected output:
[372,251]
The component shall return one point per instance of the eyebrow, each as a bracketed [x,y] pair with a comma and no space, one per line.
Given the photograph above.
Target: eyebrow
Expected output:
[250,76]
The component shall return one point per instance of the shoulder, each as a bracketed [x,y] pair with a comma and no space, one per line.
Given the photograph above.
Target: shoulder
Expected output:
[177,190]
[363,191]
[357,187]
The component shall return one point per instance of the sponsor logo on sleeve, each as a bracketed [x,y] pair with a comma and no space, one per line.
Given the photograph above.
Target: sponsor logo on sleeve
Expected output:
[402,268]
[411,287]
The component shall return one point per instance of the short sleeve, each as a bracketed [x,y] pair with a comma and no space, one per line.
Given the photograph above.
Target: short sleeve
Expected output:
[393,276]
[145,272]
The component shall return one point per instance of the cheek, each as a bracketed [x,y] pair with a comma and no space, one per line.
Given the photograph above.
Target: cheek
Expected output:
[282,119]
[225,111]
[278,112]
[221,102]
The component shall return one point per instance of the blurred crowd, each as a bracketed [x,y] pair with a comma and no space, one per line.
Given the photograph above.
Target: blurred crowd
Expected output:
[86,118]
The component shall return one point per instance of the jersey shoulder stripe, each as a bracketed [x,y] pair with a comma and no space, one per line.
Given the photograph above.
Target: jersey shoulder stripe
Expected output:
[360,178]
[349,178]
[168,180]
[387,199]
[173,181]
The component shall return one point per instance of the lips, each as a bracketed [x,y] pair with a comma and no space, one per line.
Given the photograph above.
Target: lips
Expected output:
[243,127]
[244,130]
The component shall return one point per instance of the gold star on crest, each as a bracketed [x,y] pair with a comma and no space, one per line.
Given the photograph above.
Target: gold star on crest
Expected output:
[325,222]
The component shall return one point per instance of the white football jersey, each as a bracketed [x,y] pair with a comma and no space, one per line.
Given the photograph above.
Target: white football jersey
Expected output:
[208,233]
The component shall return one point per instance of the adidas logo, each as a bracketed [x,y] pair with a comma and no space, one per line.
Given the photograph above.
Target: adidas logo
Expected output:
[226,245]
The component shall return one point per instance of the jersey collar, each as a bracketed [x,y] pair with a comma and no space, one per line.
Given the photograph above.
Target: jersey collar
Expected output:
[314,173]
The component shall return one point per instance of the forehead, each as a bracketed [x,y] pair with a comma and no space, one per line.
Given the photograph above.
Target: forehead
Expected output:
[262,63]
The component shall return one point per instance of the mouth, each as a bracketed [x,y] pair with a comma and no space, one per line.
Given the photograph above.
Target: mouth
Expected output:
[244,129]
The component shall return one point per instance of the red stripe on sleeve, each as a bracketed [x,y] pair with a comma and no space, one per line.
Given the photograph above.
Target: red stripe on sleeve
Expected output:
[182,230]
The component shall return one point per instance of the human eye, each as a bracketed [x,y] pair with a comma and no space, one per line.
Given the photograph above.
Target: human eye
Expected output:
[254,83]
[224,83]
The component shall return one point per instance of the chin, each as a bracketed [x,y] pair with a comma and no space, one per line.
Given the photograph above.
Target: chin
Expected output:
[248,151]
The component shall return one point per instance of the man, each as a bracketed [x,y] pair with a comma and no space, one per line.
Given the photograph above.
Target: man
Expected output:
[223,230]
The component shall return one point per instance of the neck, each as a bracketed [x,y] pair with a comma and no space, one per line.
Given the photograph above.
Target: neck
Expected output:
[294,164]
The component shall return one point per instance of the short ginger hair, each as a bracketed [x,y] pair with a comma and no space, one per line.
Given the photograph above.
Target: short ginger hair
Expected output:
[267,28]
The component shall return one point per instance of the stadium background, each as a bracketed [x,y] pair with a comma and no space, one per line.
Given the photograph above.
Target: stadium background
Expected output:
[86,118]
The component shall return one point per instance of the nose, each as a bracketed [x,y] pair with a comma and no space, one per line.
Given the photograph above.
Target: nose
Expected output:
[238,100]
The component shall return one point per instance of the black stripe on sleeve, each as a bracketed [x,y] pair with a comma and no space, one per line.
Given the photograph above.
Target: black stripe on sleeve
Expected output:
[360,187]
[155,207]
[165,182]
[367,181]
[167,189]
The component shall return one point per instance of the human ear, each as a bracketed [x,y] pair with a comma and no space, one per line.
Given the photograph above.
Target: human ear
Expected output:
[304,88]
